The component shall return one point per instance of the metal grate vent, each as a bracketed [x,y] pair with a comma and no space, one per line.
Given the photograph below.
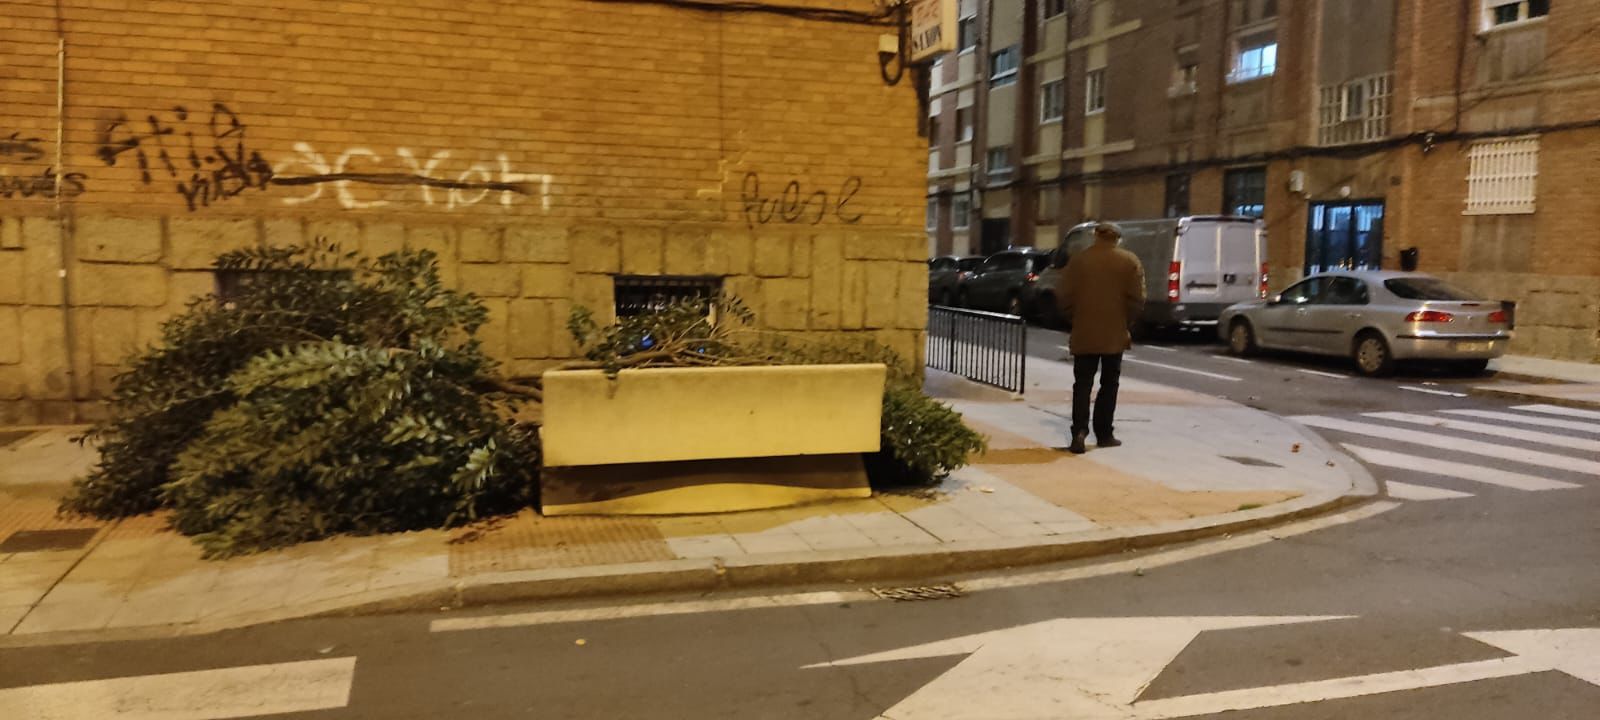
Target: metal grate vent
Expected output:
[7,438]
[921,592]
[40,540]
[639,294]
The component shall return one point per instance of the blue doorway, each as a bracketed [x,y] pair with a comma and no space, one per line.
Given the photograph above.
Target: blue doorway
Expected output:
[1345,236]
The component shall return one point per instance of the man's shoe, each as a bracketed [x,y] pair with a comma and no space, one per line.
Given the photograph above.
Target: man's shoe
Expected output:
[1107,442]
[1078,447]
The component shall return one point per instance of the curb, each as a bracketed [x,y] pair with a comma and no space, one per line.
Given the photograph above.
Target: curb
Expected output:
[1492,391]
[715,574]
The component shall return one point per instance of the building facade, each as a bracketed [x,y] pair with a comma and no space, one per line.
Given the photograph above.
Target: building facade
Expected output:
[1355,129]
[550,153]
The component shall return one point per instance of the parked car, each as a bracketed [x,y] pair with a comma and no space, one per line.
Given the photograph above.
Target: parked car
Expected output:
[998,285]
[1376,318]
[1194,267]
[945,275]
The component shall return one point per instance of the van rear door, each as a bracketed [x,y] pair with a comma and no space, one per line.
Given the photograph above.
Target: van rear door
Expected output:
[1221,261]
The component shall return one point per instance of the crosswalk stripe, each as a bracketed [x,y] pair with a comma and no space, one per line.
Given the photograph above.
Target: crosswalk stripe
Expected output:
[1539,420]
[1463,471]
[1500,431]
[1440,441]
[1559,410]
[201,695]
[1407,491]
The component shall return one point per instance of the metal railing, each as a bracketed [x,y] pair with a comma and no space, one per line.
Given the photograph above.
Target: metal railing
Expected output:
[981,346]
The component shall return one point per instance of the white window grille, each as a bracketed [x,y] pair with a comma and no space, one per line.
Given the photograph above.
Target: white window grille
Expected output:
[960,209]
[1356,111]
[1052,101]
[1094,92]
[933,213]
[1185,79]
[1503,176]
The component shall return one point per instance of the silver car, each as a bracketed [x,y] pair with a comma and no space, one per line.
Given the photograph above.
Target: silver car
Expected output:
[1376,319]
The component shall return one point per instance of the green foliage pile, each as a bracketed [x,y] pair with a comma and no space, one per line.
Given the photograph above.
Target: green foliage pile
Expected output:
[923,440]
[330,394]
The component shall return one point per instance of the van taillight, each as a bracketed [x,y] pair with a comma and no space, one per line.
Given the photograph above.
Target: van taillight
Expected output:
[1499,316]
[1429,316]
[1174,271]
[1261,290]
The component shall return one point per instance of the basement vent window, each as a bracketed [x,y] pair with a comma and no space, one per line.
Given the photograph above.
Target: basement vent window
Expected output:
[640,294]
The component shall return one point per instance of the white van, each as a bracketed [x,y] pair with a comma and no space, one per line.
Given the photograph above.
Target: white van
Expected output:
[1194,267]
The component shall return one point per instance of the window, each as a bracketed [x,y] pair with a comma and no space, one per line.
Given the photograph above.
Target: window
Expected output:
[1094,92]
[1353,103]
[1355,111]
[1255,56]
[640,294]
[1177,195]
[933,213]
[959,210]
[1185,78]
[963,124]
[1049,205]
[1052,8]
[1003,67]
[1345,291]
[1303,292]
[1244,192]
[999,162]
[933,130]
[1502,176]
[1506,12]
[1427,288]
[1052,101]
[967,31]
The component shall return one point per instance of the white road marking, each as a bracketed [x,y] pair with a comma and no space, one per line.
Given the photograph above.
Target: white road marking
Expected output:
[617,612]
[1532,436]
[1572,651]
[1320,373]
[201,695]
[1445,393]
[1439,441]
[1158,347]
[1559,410]
[1216,376]
[1348,687]
[1081,668]
[1407,491]
[1530,420]
[1231,358]
[1463,471]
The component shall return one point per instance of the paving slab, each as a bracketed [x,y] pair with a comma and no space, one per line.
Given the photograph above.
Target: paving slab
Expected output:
[1178,477]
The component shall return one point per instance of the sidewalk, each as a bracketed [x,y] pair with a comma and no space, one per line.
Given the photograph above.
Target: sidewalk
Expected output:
[1559,382]
[1192,466]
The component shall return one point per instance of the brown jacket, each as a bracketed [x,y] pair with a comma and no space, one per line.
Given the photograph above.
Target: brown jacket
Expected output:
[1102,291]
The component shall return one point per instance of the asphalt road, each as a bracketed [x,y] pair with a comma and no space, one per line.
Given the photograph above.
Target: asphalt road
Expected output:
[1473,594]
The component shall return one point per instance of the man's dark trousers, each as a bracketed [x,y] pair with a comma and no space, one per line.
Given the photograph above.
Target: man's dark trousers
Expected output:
[1105,406]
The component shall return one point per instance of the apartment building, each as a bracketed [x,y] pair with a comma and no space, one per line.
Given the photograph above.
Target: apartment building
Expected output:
[1467,132]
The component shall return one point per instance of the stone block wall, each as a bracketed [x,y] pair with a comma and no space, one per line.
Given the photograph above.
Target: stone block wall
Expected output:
[539,148]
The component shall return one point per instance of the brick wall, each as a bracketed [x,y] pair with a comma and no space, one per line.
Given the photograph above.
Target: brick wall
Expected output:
[539,148]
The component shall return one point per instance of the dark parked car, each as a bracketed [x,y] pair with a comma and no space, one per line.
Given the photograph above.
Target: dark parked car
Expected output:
[945,275]
[999,284]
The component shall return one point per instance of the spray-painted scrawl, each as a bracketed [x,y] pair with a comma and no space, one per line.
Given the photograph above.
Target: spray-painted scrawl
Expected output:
[208,160]
[359,165]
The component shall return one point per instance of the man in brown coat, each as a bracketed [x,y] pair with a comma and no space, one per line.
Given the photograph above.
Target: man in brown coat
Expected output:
[1102,291]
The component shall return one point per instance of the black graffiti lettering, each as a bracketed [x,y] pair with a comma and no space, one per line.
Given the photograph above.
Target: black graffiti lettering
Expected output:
[794,204]
[847,192]
[42,185]
[20,148]
[220,162]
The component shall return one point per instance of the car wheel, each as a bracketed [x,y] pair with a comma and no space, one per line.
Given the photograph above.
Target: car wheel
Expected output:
[1242,339]
[1372,355]
[1014,305]
[1473,368]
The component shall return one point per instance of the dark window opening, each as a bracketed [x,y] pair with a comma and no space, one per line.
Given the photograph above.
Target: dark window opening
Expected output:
[1244,192]
[1177,204]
